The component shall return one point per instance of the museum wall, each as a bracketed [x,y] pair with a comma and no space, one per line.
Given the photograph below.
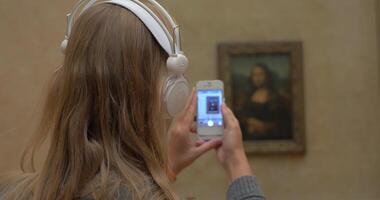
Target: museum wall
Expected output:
[341,85]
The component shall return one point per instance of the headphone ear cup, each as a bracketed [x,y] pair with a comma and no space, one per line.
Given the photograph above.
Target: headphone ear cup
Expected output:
[177,63]
[176,94]
[64,45]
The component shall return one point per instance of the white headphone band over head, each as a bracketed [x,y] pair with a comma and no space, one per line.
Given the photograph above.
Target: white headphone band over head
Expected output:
[177,87]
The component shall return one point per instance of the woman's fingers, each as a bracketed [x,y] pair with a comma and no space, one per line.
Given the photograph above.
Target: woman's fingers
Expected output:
[188,113]
[193,127]
[229,118]
[208,145]
[199,143]
[181,124]
[191,109]
[189,99]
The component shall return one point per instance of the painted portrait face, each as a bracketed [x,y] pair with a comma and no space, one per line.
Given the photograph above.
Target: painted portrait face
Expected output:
[258,76]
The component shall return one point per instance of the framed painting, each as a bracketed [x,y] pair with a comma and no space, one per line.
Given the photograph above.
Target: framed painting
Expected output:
[264,88]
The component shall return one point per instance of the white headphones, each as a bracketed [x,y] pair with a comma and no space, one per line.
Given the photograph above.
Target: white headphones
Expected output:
[177,87]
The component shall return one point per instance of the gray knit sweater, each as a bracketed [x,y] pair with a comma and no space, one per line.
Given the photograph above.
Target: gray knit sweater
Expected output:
[243,188]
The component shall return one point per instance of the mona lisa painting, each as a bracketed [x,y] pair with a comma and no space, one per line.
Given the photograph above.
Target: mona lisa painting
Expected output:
[264,87]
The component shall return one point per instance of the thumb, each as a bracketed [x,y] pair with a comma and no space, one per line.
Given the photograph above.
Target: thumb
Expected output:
[206,146]
[228,115]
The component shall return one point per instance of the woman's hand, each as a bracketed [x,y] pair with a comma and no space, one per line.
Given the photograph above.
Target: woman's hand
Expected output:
[231,153]
[182,150]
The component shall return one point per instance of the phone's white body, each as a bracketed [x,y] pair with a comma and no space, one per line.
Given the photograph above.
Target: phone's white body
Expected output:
[210,97]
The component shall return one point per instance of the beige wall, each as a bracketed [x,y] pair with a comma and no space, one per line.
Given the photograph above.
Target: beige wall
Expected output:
[378,34]
[341,87]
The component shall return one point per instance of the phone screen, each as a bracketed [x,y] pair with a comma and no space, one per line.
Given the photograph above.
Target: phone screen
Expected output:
[210,108]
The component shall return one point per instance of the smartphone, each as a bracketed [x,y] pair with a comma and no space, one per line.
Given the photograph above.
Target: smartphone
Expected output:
[210,97]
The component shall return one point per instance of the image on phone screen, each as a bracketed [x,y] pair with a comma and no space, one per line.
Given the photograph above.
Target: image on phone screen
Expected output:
[209,108]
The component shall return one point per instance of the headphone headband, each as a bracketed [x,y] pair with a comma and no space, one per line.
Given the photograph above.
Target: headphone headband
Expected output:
[171,45]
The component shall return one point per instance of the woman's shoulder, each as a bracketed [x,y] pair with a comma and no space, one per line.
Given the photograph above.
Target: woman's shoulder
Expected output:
[116,187]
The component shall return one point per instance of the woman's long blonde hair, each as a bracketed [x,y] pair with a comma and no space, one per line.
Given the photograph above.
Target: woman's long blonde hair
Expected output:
[102,116]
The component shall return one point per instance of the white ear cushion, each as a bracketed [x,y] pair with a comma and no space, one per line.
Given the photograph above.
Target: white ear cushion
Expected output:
[176,94]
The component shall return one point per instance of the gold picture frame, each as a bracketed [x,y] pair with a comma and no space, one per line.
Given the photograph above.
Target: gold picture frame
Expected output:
[238,67]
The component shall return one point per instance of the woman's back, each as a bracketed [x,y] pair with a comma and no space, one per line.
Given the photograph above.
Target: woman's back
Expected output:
[104,120]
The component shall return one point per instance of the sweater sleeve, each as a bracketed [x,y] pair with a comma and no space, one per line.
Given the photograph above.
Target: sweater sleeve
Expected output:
[244,188]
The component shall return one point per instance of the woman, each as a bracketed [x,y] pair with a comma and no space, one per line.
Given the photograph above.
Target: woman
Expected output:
[265,115]
[104,118]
